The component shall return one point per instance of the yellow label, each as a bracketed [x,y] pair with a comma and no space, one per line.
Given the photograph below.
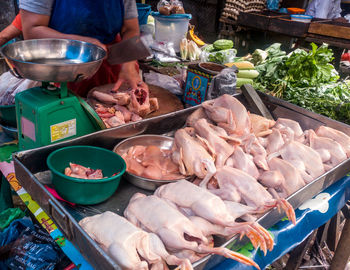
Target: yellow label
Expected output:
[11,177]
[63,130]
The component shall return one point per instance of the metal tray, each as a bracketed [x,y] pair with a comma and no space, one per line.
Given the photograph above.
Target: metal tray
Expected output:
[31,170]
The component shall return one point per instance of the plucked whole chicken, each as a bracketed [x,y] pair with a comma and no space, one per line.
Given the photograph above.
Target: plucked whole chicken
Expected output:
[131,247]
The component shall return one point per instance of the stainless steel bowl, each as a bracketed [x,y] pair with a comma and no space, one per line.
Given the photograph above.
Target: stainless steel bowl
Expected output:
[162,142]
[53,60]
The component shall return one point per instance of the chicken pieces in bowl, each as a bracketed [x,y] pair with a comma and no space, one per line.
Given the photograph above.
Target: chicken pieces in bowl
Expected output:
[149,160]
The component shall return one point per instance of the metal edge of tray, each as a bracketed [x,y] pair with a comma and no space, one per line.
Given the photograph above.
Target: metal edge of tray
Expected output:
[36,160]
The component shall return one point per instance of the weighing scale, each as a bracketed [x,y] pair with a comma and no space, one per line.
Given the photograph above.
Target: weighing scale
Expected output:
[50,114]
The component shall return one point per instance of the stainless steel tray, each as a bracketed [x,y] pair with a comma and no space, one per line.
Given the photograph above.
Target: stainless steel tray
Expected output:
[31,170]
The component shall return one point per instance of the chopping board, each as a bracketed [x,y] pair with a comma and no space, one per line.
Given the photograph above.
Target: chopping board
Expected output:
[167,101]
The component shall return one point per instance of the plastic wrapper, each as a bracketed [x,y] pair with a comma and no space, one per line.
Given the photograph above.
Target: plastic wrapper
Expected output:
[171,84]
[25,246]
[173,7]
[10,86]
[223,83]
[220,57]
[164,7]
[177,7]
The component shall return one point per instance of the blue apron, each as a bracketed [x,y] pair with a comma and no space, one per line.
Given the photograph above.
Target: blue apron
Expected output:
[102,20]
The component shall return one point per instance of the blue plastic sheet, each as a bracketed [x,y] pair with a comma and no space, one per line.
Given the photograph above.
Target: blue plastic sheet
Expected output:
[310,216]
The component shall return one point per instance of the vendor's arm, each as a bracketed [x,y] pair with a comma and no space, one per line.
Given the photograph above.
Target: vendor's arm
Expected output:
[36,26]
[11,31]
[129,71]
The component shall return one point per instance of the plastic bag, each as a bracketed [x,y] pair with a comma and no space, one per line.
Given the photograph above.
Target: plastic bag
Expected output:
[10,86]
[164,81]
[223,83]
[220,57]
[173,7]
[28,247]
[9,215]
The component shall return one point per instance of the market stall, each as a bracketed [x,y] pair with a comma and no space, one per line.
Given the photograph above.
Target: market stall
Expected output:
[132,179]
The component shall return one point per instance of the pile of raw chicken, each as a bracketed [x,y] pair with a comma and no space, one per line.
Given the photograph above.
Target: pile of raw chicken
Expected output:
[245,164]
[151,162]
[128,106]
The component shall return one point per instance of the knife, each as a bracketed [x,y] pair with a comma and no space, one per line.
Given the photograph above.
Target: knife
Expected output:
[127,50]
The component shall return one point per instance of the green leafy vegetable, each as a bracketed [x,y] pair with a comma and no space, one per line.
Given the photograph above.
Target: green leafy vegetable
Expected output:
[307,79]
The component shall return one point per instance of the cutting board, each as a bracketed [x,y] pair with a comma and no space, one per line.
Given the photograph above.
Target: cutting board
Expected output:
[167,101]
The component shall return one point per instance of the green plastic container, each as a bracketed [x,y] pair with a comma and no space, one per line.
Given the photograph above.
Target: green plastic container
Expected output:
[86,191]
[8,115]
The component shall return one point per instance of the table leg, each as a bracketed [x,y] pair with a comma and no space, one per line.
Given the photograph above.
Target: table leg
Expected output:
[333,232]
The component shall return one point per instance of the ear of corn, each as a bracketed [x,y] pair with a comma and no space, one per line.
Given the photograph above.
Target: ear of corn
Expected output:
[241,65]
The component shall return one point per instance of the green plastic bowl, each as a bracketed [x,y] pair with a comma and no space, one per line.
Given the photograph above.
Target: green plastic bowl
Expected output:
[8,115]
[86,191]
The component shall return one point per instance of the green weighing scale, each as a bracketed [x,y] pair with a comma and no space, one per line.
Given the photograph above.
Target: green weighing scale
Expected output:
[50,114]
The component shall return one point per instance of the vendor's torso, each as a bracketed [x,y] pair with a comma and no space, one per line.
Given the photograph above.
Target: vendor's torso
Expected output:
[102,20]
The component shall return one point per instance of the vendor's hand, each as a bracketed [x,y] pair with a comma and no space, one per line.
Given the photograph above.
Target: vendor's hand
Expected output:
[95,42]
[129,74]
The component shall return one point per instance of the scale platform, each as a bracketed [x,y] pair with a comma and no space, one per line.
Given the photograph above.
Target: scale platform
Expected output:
[50,114]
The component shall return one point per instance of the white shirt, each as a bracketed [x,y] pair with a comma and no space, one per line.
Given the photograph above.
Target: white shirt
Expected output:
[324,9]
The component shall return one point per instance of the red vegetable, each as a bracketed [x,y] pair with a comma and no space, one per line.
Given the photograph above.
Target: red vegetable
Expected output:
[345,57]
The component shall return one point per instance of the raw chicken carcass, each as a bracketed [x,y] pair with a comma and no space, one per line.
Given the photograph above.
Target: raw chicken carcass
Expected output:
[192,157]
[261,125]
[252,146]
[304,158]
[197,201]
[222,149]
[251,191]
[274,141]
[338,136]
[283,177]
[243,161]
[195,116]
[175,230]
[291,127]
[229,113]
[331,152]
[131,247]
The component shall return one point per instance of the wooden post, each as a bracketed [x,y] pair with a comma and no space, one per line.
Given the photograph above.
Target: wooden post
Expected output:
[342,253]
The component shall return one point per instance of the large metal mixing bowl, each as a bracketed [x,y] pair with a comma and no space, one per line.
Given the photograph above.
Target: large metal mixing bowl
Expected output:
[53,60]
[162,142]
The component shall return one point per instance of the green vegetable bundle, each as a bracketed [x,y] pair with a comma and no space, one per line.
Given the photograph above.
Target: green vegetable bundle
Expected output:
[305,78]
